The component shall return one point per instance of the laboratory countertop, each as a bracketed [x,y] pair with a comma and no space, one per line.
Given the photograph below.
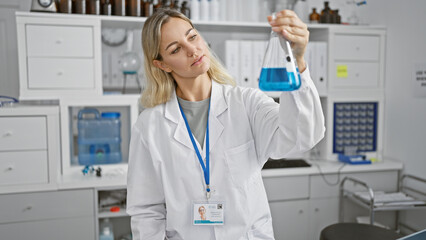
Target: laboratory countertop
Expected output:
[117,177]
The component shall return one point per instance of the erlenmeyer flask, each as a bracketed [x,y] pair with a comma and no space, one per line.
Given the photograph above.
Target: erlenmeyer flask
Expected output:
[279,69]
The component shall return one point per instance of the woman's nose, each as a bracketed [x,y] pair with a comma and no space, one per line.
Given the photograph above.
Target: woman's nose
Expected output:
[192,50]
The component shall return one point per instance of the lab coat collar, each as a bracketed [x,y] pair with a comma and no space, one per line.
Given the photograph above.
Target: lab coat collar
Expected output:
[217,106]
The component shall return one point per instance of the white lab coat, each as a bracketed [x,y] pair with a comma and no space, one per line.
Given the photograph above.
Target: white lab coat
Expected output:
[246,128]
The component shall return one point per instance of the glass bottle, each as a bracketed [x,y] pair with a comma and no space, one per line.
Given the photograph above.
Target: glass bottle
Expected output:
[65,6]
[119,8]
[94,7]
[326,16]
[134,8]
[148,8]
[336,16]
[185,9]
[175,5]
[279,69]
[157,5]
[314,17]
[166,4]
[107,8]
[80,7]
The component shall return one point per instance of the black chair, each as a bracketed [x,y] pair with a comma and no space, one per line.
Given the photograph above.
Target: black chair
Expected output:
[357,231]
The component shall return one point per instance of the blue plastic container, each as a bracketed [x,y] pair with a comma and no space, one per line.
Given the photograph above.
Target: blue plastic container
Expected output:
[99,137]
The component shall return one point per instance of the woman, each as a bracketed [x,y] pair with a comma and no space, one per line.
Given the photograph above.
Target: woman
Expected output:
[193,109]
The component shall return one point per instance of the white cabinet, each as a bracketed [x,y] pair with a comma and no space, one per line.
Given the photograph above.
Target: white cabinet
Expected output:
[29,148]
[48,215]
[304,204]
[289,218]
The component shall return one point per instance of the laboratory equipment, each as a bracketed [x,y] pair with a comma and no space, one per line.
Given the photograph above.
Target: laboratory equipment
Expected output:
[7,101]
[43,6]
[129,64]
[408,197]
[279,70]
[99,137]
[106,230]
[355,126]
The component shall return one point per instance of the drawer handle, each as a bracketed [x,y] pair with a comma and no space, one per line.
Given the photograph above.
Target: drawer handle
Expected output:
[300,211]
[8,134]
[60,73]
[28,208]
[10,168]
[58,41]
[357,48]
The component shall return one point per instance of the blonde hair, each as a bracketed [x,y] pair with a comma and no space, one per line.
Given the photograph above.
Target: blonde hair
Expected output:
[160,84]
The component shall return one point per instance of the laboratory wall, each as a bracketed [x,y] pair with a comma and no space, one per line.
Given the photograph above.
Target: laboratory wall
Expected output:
[405,113]
[9,76]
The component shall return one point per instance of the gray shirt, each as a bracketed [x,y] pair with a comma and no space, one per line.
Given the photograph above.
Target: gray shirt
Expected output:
[196,114]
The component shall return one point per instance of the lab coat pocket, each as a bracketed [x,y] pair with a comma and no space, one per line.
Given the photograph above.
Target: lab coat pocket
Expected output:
[262,231]
[242,163]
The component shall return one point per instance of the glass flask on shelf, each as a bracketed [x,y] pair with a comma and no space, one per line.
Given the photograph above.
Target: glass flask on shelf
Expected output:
[129,64]
[279,70]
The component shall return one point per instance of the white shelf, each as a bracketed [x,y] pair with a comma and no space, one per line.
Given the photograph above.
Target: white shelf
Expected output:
[137,22]
[108,214]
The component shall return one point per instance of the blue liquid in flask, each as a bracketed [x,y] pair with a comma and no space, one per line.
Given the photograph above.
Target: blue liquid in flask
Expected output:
[278,79]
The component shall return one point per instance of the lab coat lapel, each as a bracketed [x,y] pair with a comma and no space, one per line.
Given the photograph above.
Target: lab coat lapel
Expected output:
[217,106]
[172,113]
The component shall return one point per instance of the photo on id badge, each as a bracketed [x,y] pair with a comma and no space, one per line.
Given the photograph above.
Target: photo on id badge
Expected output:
[208,213]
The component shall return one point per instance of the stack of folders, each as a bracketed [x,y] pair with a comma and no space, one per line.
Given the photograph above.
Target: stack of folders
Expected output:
[316,57]
[244,59]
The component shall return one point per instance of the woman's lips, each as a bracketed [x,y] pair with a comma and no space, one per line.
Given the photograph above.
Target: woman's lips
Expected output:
[198,61]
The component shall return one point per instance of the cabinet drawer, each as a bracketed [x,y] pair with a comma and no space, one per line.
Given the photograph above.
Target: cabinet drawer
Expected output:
[82,228]
[353,47]
[59,41]
[22,133]
[28,167]
[359,74]
[46,205]
[286,188]
[60,73]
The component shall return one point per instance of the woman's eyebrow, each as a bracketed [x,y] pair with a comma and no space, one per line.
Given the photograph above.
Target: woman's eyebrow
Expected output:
[186,34]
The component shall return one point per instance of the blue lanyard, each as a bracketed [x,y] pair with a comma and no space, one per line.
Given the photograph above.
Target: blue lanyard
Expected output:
[206,168]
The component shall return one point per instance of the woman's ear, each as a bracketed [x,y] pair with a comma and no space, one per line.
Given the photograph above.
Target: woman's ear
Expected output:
[161,65]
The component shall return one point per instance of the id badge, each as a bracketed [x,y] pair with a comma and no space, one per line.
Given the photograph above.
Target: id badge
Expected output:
[208,213]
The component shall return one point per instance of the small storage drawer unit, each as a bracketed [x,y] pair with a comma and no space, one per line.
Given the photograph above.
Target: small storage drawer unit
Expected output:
[29,148]
[59,56]
[357,60]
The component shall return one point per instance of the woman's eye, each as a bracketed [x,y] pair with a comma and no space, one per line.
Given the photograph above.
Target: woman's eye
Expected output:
[193,37]
[176,50]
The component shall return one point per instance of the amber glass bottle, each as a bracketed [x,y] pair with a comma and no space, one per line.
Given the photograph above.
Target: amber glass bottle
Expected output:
[148,8]
[134,8]
[185,9]
[326,14]
[94,7]
[119,7]
[65,6]
[314,17]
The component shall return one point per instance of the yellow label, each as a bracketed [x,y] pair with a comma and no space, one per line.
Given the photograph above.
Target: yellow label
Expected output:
[342,71]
